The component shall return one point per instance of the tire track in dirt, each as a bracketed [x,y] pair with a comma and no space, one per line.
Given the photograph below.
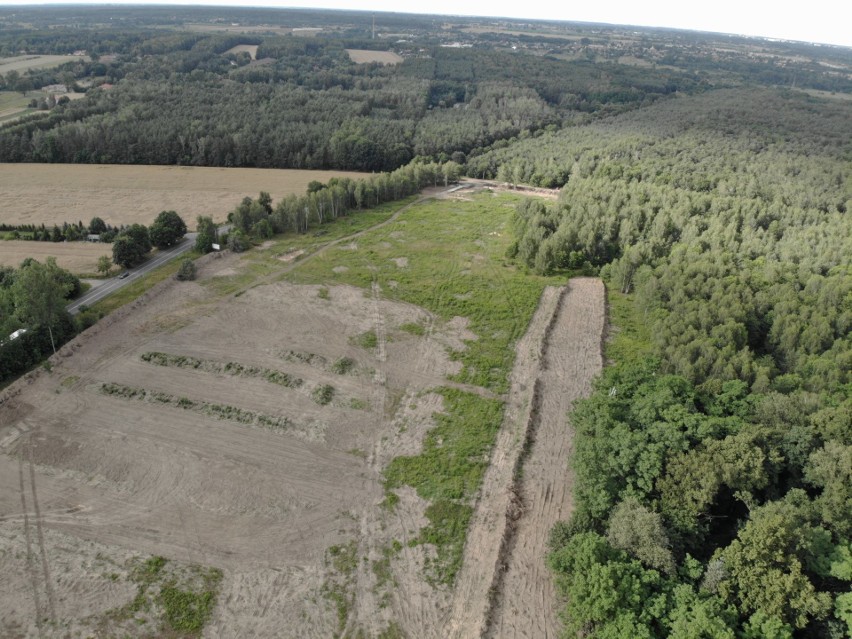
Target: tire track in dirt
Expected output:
[525,602]
[28,536]
[48,587]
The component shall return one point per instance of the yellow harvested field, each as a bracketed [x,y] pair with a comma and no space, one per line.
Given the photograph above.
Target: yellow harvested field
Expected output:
[251,48]
[22,63]
[77,257]
[120,194]
[362,56]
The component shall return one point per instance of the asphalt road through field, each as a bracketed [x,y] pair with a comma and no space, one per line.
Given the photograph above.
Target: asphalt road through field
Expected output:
[113,284]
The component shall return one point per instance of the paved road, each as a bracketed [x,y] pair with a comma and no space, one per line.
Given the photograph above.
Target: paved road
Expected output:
[113,284]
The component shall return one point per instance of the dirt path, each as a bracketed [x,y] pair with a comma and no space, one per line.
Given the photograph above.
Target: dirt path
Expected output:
[504,588]
[524,604]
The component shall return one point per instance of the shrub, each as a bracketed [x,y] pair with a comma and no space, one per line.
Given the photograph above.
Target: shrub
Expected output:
[323,395]
[186,271]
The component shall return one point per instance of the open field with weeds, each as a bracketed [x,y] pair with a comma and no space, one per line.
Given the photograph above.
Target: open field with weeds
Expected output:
[317,427]
[21,63]
[55,193]
[362,56]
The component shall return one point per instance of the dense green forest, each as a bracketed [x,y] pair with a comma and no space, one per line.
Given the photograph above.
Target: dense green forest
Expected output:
[714,482]
[711,192]
[163,88]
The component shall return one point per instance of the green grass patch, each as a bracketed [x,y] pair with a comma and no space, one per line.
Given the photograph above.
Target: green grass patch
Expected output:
[342,227]
[456,267]
[414,328]
[357,403]
[449,472]
[385,581]
[368,340]
[171,600]
[186,611]
[630,330]
[339,587]
[323,293]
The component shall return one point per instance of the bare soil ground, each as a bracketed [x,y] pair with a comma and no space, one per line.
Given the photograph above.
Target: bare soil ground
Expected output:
[251,48]
[77,257]
[362,56]
[55,193]
[524,603]
[89,480]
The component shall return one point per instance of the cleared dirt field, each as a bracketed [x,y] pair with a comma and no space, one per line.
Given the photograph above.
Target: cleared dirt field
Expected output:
[362,56]
[22,63]
[244,422]
[250,48]
[56,193]
[77,257]
[105,477]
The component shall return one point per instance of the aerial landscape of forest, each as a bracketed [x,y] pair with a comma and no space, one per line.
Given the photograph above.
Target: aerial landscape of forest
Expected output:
[325,323]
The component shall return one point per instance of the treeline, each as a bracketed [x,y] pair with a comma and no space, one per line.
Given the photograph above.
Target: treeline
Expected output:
[259,219]
[713,480]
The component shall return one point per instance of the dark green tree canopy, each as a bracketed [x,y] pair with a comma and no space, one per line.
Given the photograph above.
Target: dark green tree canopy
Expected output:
[167,230]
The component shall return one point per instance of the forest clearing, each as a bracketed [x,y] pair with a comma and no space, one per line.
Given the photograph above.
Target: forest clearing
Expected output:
[52,194]
[284,453]
[362,56]
[251,49]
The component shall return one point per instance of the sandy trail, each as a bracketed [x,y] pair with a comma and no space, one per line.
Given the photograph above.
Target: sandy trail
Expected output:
[525,603]
[504,588]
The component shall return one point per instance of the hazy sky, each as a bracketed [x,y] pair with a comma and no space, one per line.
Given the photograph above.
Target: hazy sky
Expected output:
[825,21]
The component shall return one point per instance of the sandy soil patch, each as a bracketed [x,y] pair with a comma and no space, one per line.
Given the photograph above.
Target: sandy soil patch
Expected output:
[401,262]
[77,257]
[250,48]
[56,193]
[362,56]
[127,475]
[292,255]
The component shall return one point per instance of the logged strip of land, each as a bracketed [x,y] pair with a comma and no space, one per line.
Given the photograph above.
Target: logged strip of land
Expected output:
[497,505]
[504,589]
[524,599]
